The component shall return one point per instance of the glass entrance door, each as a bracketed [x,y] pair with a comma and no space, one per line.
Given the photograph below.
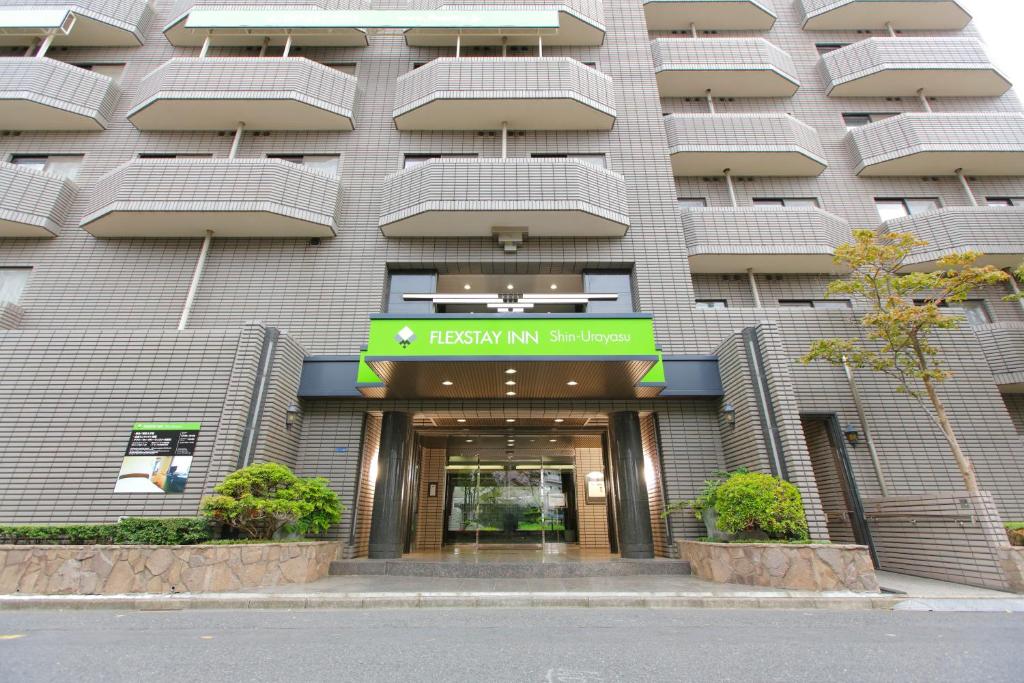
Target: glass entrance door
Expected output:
[510,503]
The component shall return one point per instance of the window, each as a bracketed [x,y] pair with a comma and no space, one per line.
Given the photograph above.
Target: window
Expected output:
[825,48]
[172,155]
[344,67]
[413,160]
[410,282]
[328,163]
[63,165]
[900,207]
[858,120]
[692,202]
[598,160]
[788,202]
[975,310]
[12,283]
[1005,201]
[712,304]
[821,304]
[609,282]
[113,71]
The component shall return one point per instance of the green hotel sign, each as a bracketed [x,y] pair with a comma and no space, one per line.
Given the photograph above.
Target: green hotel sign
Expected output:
[516,337]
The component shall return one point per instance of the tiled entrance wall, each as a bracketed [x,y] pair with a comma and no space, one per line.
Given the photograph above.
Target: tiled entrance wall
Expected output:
[430,515]
[593,517]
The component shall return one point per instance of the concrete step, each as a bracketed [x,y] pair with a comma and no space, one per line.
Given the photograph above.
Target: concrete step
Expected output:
[509,570]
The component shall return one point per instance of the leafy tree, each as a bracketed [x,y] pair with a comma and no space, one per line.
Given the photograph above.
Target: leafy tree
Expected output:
[261,499]
[899,330]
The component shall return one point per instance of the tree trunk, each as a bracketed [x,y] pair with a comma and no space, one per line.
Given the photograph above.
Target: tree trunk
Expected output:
[962,461]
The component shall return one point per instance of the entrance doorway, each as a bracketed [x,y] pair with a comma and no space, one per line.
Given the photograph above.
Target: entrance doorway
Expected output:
[523,500]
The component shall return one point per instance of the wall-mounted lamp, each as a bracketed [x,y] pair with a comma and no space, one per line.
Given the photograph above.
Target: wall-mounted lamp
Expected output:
[729,415]
[852,435]
[291,416]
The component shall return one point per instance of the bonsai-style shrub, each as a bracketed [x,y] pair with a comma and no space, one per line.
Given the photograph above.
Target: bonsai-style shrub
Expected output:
[1015,530]
[162,531]
[703,506]
[752,502]
[260,500]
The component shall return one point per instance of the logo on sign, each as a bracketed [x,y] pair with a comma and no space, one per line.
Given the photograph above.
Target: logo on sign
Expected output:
[405,336]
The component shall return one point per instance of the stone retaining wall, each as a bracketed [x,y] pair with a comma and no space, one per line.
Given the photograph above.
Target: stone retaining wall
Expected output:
[115,569]
[809,567]
[1012,560]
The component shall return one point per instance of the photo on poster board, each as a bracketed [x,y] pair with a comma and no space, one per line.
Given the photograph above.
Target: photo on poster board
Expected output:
[158,458]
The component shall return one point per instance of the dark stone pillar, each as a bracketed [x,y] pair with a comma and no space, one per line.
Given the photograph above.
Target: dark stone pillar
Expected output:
[636,540]
[387,522]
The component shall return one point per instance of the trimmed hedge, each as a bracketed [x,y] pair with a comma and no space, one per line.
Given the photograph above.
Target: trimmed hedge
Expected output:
[1015,530]
[129,531]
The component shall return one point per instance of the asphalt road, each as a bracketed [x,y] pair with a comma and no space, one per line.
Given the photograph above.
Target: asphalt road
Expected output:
[510,645]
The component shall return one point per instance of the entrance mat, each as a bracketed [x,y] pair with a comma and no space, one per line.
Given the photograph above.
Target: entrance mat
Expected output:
[509,570]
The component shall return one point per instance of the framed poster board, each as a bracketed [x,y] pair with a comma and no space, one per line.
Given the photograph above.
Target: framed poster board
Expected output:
[158,457]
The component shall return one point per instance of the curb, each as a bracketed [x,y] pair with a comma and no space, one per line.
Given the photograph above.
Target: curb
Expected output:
[303,601]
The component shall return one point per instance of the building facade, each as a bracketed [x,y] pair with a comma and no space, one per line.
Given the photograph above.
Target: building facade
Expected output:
[327,233]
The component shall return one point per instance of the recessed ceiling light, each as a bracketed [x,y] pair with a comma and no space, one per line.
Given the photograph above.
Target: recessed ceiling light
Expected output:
[510,383]
[572,383]
[461,419]
[511,419]
[467,286]
[554,286]
[552,440]
[510,286]
[469,440]
[510,371]
[447,382]
[559,419]
[510,393]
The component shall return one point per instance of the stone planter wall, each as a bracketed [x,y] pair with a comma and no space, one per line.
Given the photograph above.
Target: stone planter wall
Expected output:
[1012,560]
[809,567]
[116,569]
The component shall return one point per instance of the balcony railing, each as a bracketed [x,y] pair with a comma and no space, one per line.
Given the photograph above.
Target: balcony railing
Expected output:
[481,197]
[939,144]
[746,144]
[709,15]
[32,203]
[98,23]
[728,67]
[911,15]
[581,22]
[289,93]
[231,197]
[770,240]
[901,67]
[1003,344]
[527,93]
[997,232]
[44,94]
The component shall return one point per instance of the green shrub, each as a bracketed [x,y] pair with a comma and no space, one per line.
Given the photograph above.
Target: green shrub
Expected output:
[163,531]
[260,500]
[1012,526]
[1015,530]
[750,501]
[75,534]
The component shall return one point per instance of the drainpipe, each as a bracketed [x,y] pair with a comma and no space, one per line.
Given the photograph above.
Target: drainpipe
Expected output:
[31,50]
[47,41]
[239,132]
[1014,287]
[729,186]
[458,44]
[540,45]
[925,104]
[504,46]
[263,48]
[755,292]
[967,187]
[504,139]
[197,277]
[875,462]
[693,30]
[206,46]
[711,101]
[287,45]
[892,31]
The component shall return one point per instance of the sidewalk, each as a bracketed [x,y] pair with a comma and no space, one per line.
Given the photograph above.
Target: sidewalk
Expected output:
[339,592]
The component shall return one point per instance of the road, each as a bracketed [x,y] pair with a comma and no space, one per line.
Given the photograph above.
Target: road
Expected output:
[510,645]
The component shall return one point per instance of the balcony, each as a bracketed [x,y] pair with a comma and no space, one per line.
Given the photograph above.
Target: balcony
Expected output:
[900,67]
[482,197]
[938,144]
[747,144]
[290,93]
[234,28]
[997,232]
[232,197]
[44,94]
[709,15]
[580,23]
[32,203]
[529,93]
[910,15]
[728,67]
[769,240]
[1003,344]
[97,23]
